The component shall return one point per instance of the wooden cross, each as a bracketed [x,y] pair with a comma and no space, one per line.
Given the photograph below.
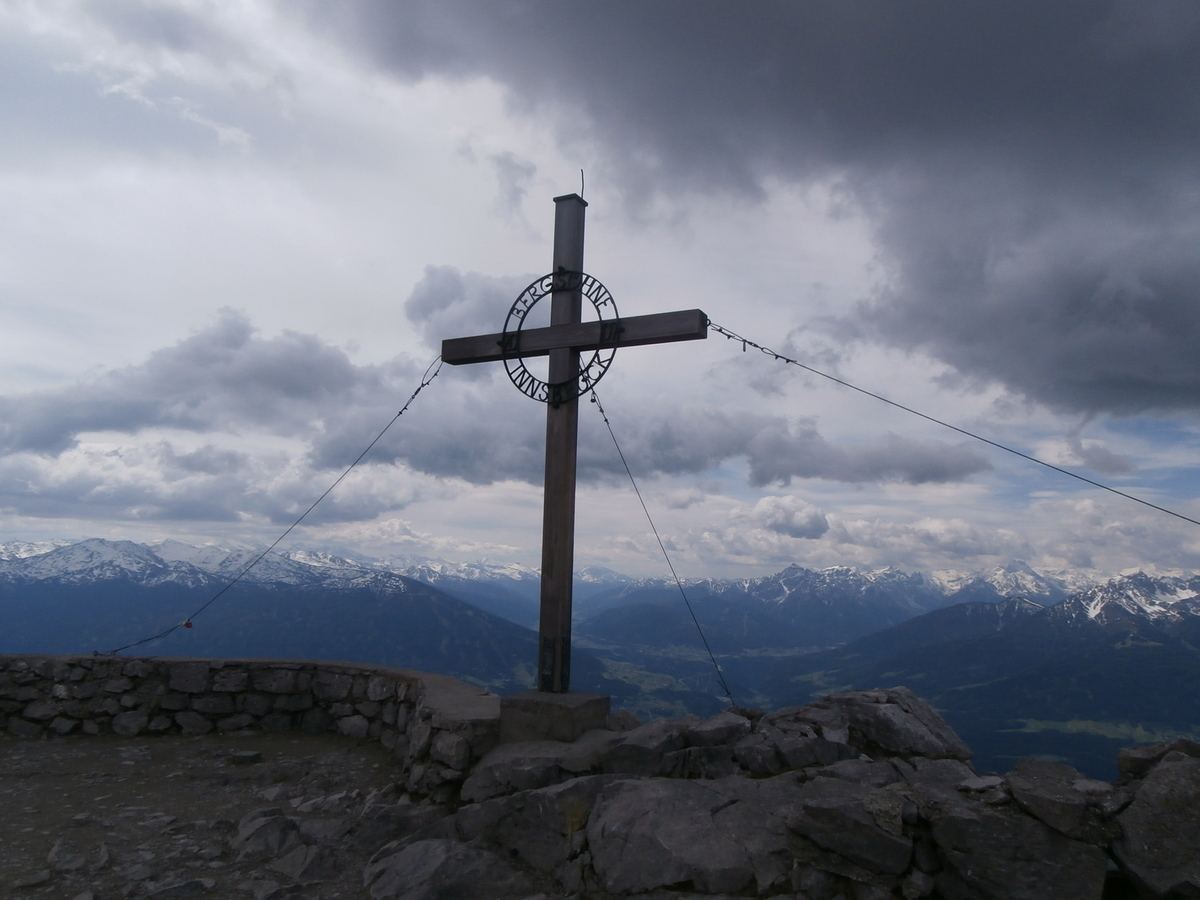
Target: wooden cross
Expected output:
[563,341]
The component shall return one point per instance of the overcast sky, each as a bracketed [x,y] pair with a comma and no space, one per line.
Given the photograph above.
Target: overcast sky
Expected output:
[234,235]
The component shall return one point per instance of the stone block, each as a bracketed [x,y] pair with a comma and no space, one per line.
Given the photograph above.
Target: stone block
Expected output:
[274,681]
[23,727]
[127,724]
[158,724]
[189,678]
[380,688]
[331,686]
[220,705]
[231,681]
[42,710]
[85,690]
[235,723]
[255,704]
[353,726]
[63,725]
[544,716]
[175,702]
[135,668]
[118,685]
[192,722]
[450,749]
[294,702]
[109,706]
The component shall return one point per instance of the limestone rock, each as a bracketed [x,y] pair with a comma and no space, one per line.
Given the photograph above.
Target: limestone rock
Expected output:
[543,827]
[723,728]
[897,722]
[304,862]
[1048,791]
[641,750]
[393,823]
[33,880]
[265,837]
[1134,762]
[515,767]
[1008,856]
[443,869]
[1161,846]
[834,814]
[64,858]
[192,888]
[652,834]
[758,755]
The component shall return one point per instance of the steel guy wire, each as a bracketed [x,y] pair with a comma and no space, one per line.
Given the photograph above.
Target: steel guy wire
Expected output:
[662,547]
[746,342]
[430,373]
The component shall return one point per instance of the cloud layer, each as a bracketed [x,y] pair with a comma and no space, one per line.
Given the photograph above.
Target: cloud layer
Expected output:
[195,431]
[1031,166]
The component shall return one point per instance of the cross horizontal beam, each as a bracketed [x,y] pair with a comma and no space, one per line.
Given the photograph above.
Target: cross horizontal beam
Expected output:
[660,328]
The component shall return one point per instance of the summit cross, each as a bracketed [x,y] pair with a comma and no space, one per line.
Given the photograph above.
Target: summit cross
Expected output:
[563,341]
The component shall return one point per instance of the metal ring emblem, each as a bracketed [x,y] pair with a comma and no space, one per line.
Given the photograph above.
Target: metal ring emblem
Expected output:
[591,372]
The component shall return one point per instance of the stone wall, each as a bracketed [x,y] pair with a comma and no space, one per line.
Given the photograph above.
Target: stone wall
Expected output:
[436,726]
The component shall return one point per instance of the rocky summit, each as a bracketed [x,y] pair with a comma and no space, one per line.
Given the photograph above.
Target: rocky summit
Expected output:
[863,795]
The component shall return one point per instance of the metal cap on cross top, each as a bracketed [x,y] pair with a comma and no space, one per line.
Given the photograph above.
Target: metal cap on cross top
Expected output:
[565,341]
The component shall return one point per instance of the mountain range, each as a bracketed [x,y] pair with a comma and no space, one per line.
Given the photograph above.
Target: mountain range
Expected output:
[1020,662]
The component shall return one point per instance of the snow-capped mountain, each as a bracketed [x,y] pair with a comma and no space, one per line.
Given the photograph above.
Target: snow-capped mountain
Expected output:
[597,588]
[432,571]
[175,563]
[1163,601]
[99,560]
[1014,579]
[22,549]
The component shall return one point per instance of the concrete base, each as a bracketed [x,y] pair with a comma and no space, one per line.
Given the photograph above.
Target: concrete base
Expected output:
[543,716]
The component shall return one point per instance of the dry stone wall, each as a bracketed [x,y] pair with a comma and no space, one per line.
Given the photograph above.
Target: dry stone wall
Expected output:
[435,725]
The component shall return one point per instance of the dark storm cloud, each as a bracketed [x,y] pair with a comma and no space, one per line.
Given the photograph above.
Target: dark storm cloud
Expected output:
[778,453]
[448,303]
[1032,167]
[220,378]
[227,379]
[154,487]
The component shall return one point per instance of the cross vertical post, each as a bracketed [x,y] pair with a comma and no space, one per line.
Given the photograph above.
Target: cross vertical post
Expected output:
[553,711]
[562,441]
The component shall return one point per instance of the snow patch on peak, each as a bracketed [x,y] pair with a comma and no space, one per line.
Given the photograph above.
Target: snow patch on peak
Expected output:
[1139,595]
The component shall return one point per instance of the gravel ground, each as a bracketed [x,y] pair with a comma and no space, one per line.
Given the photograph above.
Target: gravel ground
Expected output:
[138,817]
